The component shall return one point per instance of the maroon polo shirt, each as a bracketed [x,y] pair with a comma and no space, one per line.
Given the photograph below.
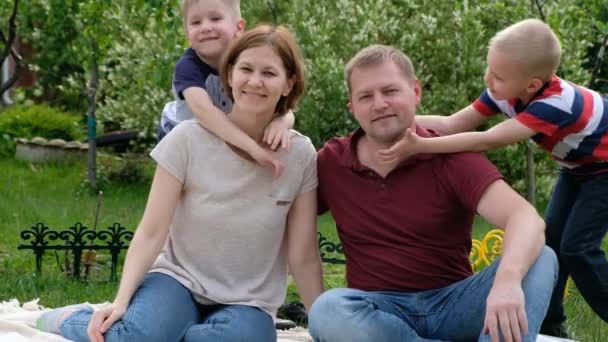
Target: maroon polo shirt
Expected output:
[410,231]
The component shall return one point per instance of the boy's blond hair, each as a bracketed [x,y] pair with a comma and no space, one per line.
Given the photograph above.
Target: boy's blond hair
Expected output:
[532,45]
[375,55]
[233,5]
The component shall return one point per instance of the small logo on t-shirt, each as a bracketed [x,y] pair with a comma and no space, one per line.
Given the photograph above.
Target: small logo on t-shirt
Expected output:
[279,202]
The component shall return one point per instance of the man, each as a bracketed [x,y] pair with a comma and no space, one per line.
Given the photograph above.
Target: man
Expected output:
[406,229]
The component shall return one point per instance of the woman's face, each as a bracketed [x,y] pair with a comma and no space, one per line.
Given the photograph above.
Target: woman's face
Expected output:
[259,79]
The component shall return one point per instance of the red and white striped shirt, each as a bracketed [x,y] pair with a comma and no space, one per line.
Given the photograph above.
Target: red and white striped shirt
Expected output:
[571,121]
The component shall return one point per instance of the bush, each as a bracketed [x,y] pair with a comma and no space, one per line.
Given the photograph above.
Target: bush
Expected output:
[128,169]
[137,79]
[447,41]
[37,121]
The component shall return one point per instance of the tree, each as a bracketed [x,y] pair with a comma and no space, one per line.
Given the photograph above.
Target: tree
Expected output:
[140,41]
[8,49]
[96,25]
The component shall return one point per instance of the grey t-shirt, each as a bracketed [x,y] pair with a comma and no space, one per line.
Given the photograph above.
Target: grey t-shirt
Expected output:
[226,242]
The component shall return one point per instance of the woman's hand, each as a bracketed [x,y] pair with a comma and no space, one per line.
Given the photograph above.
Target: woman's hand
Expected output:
[103,319]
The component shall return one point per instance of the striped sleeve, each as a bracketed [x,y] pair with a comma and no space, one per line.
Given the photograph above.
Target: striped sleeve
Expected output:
[485,105]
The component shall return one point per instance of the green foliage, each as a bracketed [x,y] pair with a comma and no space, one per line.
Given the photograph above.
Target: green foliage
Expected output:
[128,169]
[140,42]
[447,42]
[41,121]
[137,79]
[43,25]
[36,121]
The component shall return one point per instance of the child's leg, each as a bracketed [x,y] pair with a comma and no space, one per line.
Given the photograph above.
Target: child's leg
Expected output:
[234,323]
[562,200]
[161,310]
[581,249]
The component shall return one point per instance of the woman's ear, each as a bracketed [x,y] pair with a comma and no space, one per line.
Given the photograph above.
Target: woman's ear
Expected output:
[228,89]
[229,77]
[289,86]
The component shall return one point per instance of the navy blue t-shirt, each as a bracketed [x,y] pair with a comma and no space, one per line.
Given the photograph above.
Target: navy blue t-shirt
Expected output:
[192,71]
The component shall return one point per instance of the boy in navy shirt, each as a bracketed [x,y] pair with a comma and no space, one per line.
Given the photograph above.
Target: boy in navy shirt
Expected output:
[210,26]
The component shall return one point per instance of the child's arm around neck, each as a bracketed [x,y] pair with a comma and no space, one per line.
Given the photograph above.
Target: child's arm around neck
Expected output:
[505,133]
[466,119]
[216,121]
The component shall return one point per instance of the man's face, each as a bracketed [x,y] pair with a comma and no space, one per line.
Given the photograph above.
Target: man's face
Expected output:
[383,100]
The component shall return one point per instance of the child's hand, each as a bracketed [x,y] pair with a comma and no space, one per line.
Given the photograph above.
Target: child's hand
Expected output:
[277,132]
[401,150]
[265,158]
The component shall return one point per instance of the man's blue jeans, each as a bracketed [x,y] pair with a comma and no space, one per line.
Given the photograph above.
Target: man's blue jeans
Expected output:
[577,221]
[163,310]
[453,313]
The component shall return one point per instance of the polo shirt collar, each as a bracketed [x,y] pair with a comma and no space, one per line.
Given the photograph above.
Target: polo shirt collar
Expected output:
[349,156]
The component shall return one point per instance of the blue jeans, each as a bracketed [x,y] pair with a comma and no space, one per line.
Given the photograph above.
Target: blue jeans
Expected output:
[163,310]
[453,313]
[577,221]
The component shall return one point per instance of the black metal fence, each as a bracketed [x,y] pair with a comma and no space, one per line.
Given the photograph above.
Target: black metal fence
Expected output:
[331,252]
[80,240]
[77,239]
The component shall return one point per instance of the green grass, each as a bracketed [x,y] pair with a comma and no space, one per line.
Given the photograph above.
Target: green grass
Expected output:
[54,194]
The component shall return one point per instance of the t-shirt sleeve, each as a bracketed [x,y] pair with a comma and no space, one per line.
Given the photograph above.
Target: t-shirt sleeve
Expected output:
[171,153]
[469,175]
[485,105]
[309,179]
[187,74]
[545,118]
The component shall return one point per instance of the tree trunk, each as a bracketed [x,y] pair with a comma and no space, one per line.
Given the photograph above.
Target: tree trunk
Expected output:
[8,50]
[531,176]
[91,121]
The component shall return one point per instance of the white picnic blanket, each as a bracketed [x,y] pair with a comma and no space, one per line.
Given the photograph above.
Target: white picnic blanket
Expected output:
[17,324]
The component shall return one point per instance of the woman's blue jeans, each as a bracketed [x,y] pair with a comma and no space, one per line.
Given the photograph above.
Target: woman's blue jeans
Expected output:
[164,310]
[577,221]
[453,313]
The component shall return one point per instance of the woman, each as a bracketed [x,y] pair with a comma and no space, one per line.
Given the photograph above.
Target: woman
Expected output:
[209,258]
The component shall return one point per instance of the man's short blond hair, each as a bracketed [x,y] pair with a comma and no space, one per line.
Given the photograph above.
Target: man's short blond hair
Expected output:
[532,45]
[233,5]
[375,55]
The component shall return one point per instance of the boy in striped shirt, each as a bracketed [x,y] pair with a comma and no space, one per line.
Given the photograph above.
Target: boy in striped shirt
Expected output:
[568,121]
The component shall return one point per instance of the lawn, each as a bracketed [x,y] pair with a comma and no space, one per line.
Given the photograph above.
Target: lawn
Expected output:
[55,195]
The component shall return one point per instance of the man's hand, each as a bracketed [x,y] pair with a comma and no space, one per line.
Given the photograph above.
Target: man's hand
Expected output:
[401,150]
[103,319]
[277,133]
[505,313]
[264,157]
